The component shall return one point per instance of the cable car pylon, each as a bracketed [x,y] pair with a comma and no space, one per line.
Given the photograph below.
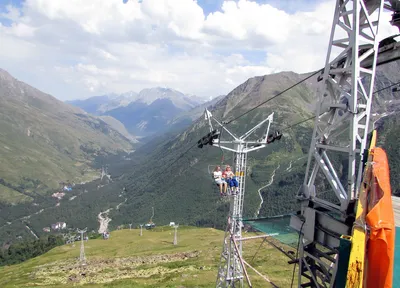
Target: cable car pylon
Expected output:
[232,271]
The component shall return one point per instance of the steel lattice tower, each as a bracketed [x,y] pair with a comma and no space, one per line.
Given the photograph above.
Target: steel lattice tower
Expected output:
[176,235]
[82,257]
[342,113]
[231,270]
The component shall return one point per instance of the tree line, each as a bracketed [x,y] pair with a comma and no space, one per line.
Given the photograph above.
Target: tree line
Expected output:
[27,249]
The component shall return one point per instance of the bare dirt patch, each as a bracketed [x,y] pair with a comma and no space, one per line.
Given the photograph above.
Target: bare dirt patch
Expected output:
[108,270]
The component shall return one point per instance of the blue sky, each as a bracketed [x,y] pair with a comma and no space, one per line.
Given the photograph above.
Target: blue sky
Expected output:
[13,2]
[290,6]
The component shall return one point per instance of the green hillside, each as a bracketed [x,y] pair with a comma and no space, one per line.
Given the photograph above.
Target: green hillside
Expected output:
[178,185]
[158,177]
[44,141]
[128,260]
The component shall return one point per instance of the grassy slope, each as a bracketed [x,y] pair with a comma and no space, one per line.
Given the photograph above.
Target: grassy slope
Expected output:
[128,260]
[8,195]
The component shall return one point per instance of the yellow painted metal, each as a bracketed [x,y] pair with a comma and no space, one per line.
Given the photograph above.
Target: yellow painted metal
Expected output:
[355,274]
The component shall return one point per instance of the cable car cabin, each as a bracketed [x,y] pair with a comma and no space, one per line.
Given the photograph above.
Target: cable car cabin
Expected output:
[149,226]
[228,186]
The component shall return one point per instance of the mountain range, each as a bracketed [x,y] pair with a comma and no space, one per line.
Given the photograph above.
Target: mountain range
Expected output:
[145,113]
[173,177]
[171,174]
[98,105]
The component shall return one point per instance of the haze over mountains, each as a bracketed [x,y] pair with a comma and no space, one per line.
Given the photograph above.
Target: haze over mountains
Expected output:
[144,113]
[156,174]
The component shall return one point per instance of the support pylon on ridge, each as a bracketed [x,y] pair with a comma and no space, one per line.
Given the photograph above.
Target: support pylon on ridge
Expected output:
[231,270]
[82,257]
[176,234]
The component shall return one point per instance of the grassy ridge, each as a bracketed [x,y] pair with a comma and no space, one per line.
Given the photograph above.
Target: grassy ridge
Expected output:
[128,260]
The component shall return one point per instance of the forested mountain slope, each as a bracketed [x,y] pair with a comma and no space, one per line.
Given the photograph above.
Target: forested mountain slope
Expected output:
[388,138]
[177,184]
[181,189]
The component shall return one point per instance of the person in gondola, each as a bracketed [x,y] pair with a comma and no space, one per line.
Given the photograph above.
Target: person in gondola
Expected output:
[217,174]
[230,178]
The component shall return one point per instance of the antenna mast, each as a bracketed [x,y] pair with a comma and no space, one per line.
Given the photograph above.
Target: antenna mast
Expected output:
[231,270]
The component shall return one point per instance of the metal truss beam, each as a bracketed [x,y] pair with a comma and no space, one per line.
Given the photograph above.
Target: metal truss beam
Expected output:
[340,136]
[232,271]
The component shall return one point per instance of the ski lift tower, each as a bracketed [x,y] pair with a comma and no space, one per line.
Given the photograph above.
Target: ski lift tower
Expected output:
[231,268]
[82,257]
[176,234]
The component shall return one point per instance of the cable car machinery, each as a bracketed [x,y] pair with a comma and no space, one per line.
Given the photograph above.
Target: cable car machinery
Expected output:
[345,100]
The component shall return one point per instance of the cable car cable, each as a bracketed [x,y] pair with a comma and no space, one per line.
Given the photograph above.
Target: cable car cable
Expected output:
[386,87]
[275,96]
[222,150]
[285,128]
[313,117]
[287,89]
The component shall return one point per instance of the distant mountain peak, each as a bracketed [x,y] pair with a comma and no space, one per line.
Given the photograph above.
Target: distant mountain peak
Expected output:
[4,75]
[143,113]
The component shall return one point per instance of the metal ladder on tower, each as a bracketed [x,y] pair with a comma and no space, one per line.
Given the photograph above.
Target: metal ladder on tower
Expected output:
[230,272]
[240,173]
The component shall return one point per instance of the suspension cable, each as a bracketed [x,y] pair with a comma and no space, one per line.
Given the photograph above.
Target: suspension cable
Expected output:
[275,96]
[313,117]
[285,128]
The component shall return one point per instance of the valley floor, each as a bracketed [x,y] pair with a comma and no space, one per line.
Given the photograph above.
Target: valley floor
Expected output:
[151,260]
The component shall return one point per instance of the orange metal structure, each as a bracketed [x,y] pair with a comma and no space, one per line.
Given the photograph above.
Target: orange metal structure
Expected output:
[380,220]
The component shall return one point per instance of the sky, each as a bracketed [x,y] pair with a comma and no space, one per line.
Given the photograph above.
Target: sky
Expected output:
[74,49]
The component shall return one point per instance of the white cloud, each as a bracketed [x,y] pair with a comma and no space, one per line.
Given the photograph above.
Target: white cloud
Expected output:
[75,48]
[249,21]
[20,30]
